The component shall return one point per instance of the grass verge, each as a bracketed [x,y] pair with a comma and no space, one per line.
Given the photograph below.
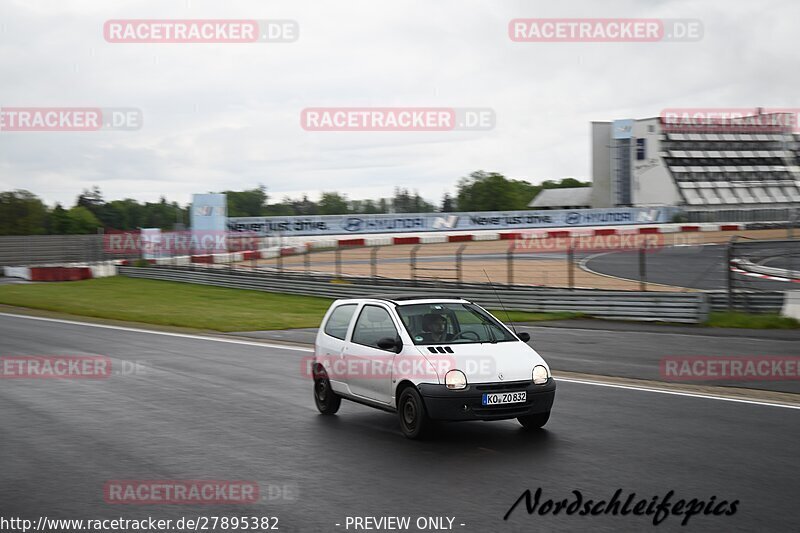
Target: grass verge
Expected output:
[170,304]
[524,316]
[737,319]
[187,305]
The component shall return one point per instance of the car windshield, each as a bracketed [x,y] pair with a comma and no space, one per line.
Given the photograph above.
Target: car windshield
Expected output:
[451,323]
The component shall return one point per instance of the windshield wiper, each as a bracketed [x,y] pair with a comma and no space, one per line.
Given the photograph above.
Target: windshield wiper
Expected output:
[492,335]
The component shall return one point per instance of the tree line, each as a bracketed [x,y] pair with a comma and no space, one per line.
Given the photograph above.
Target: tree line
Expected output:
[24,213]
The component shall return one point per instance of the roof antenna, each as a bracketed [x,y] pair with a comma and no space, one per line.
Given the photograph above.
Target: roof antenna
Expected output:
[501,302]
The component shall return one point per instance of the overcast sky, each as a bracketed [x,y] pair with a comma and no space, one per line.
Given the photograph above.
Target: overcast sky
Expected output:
[227,116]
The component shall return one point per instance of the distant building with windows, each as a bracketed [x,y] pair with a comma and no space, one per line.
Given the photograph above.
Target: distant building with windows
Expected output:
[733,171]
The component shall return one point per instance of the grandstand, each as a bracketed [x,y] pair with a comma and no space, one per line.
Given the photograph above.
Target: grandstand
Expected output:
[745,169]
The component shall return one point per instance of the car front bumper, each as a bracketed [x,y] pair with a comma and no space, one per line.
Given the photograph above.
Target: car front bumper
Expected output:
[442,403]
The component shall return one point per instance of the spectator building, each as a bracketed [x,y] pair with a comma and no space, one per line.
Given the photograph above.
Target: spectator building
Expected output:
[715,168]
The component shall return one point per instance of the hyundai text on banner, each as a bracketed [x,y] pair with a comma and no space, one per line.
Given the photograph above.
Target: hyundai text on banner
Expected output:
[406,222]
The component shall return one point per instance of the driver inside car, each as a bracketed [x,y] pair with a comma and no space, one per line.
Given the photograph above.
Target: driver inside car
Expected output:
[434,326]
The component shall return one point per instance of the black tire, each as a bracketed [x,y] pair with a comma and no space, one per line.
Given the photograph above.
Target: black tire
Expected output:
[414,421]
[534,421]
[325,398]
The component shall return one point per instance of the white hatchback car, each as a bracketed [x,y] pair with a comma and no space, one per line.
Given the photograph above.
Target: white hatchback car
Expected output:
[428,359]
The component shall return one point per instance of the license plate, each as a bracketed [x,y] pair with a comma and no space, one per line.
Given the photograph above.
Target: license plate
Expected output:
[504,397]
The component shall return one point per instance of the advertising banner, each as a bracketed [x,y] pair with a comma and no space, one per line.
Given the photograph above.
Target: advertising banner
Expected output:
[418,222]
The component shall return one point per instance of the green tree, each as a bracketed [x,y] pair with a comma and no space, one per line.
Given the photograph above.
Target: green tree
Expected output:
[57,221]
[491,191]
[90,199]
[565,183]
[369,207]
[250,203]
[305,207]
[332,203]
[129,214]
[21,213]
[81,220]
[404,201]
[447,204]
[282,209]
[487,191]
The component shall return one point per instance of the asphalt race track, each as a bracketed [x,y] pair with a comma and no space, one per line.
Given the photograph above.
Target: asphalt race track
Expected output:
[697,267]
[627,350]
[226,409]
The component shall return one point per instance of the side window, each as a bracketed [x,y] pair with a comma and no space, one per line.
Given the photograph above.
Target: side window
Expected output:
[373,324]
[339,320]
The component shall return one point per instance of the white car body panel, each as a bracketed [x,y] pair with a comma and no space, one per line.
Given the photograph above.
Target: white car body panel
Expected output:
[481,362]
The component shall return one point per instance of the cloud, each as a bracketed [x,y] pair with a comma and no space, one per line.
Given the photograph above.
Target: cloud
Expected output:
[220,116]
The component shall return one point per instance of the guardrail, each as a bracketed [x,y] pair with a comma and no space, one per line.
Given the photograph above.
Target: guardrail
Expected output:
[626,305]
[750,302]
[749,266]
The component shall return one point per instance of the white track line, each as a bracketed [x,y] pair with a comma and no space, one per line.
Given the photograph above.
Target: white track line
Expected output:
[304,349]
[677,393]
[165,333]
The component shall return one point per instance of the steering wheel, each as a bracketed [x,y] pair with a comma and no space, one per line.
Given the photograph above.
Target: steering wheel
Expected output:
[464,334]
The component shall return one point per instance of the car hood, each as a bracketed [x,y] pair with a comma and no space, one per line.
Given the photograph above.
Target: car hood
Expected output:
[486,362]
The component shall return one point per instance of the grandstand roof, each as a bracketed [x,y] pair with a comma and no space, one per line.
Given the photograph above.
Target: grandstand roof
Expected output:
[565,197]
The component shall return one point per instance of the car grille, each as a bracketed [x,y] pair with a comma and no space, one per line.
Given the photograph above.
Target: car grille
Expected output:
[509,411]
[494,387]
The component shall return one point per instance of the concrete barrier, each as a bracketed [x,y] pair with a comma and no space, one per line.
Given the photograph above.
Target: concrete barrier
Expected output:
[66,272]
[791,304]
[17,272]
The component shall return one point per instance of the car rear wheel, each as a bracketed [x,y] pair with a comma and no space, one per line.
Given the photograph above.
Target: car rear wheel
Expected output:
[327,400]
[414,421]
[534,421]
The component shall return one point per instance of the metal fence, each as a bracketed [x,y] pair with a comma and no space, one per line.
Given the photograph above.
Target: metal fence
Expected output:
[544,262]
[626,305]
[767,214]
[41,249]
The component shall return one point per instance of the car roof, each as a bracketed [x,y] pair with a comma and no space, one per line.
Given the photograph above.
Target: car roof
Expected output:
[408,299]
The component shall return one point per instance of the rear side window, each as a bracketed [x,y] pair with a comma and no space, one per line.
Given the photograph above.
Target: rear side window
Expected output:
[339,320]
[373,324]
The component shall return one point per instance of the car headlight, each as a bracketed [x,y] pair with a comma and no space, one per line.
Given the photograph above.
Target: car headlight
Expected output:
[539,375]
[455,379]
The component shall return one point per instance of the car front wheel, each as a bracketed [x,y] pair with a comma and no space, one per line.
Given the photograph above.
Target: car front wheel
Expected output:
[534,421]
[327,400]
[414,420]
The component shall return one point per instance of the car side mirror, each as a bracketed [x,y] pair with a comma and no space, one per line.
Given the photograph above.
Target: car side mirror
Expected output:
[524,336]
[390,344]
